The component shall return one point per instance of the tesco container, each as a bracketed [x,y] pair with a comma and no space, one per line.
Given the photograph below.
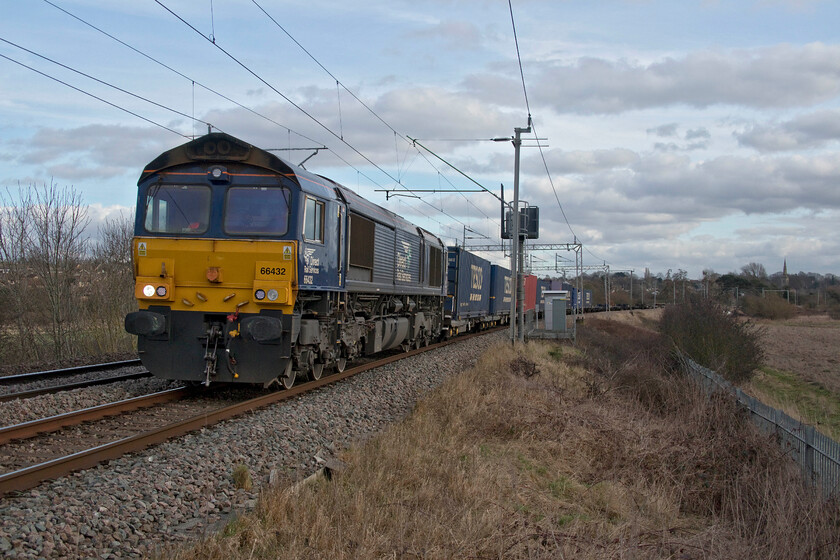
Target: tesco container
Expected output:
[468,286]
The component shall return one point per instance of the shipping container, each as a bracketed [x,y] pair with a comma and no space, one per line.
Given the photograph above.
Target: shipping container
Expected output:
[530,292]
[500,285]
[468,286]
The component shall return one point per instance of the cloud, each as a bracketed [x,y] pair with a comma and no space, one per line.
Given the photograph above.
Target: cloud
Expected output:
[812,130]
[664,131]
[88,152]
[780,76]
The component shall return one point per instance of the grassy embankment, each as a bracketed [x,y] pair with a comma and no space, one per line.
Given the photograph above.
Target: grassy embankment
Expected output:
[594,451]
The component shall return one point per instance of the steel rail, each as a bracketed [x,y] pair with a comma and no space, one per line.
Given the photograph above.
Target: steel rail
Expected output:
[36,375]
[29,477]
[70,386]
[54,423]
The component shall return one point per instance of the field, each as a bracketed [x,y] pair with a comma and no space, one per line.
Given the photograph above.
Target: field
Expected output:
[552,451]
[807,345]
[802,372]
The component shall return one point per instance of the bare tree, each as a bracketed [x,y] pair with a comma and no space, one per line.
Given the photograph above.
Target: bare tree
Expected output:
[56,248]
[754,270]
[18,306]
[110,281]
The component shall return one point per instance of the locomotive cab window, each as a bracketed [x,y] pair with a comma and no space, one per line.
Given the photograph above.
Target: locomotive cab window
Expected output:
[313,220]
[257,211]
[177,209]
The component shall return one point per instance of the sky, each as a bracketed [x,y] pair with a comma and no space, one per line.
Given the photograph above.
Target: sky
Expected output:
[666,135]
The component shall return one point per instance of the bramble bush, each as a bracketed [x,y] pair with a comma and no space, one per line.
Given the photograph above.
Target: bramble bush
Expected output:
[715,338]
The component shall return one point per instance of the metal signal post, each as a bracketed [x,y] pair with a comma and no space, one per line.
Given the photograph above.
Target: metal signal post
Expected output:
[517,313]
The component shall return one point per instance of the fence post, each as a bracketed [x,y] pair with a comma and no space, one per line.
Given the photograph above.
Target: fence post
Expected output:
[808,462]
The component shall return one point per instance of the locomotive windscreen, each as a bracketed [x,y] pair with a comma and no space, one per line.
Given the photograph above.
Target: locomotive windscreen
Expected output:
[257,211]
[177,209]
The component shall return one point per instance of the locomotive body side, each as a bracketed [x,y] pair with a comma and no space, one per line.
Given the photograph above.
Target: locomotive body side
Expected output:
[241,265]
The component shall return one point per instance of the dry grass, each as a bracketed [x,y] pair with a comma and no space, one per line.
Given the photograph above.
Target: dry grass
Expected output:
[551,452]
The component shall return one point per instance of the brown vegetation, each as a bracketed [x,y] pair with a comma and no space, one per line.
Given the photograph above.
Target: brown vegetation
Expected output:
[600,451]
[770,307]
[714,337]
[61,297]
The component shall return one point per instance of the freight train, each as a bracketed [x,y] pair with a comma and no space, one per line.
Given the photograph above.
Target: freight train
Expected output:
[249,269]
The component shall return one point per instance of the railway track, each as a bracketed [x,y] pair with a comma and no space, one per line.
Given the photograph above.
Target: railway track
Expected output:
[24,477]
[27,379]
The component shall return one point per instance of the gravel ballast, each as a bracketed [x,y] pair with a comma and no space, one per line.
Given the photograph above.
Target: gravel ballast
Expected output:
[172,492]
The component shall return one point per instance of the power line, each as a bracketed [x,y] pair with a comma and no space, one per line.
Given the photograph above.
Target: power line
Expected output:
[338,83]
[173,70]
[536,136]
[310,55]
[150,121]
[103,82]
[278,92]
[211,90]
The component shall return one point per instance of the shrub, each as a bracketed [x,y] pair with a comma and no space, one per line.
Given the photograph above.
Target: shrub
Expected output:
[715,338]
[770,307]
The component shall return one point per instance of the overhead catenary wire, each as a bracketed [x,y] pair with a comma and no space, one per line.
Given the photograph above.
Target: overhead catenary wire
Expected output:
[278,92]
[338,83]
[194,83]
[534,128]
[80,90]
[103,82]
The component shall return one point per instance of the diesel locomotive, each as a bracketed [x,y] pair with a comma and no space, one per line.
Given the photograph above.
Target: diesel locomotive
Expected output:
[251,269]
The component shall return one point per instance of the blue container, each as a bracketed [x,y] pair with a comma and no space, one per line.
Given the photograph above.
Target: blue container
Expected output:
[468,286]
[499,290]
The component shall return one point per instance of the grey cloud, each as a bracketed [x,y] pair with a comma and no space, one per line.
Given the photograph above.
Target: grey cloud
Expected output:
[695,133]
[803,132]
[779,76]
[664,131]
[93,151]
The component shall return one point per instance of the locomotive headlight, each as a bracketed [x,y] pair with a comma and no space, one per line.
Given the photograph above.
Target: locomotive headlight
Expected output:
[272,294]
[259,295]
[148,290]
[161,291]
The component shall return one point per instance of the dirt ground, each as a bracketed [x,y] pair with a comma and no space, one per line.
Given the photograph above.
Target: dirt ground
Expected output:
[806,345]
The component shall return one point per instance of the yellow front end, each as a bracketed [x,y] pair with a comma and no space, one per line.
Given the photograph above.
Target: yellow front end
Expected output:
[214,310]
[215,276]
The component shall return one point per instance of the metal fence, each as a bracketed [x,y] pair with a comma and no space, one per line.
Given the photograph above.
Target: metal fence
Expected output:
[817,454]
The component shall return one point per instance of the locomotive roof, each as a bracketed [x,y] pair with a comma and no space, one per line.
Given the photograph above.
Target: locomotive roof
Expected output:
[218,147]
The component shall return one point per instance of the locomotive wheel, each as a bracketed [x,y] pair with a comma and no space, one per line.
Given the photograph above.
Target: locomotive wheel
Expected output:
[340,364]
[316,371]
[288,377]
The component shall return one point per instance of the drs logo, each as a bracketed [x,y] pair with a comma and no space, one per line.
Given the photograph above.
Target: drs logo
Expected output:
[507,285]
[477,276]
